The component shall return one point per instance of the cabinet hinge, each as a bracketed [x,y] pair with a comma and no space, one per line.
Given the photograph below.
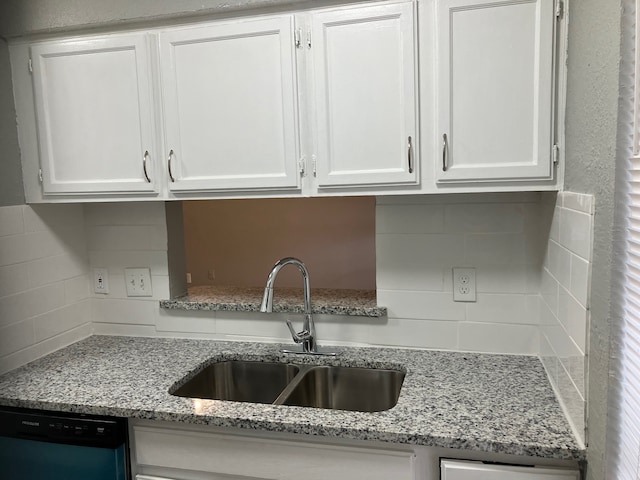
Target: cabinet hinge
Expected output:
[30,66]
[314,162]
[559,9]
[556,154]
[301,166]
[297,37]
[308,38]
[40,175]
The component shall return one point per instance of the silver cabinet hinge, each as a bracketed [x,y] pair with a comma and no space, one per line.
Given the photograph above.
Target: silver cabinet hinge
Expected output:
[314,162]
[40,175]
[297,38]
[556,154]
[301,166]
[30,65]
[559,9]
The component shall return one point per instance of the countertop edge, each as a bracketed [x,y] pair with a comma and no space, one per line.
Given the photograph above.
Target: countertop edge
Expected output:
[529,450]
[178,304]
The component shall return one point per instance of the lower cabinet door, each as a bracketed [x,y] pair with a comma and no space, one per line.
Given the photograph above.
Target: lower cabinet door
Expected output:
[181,454]
[471,470]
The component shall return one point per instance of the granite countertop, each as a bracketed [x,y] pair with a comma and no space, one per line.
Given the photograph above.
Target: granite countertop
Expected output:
[286,300]
[492,403]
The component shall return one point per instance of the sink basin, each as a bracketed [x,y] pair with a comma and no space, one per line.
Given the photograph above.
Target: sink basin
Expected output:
[240,381]
[339,388]
[347,388]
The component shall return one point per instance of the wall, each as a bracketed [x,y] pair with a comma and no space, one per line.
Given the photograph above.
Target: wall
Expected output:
[565,303]
[591,126]
[418,240]
[11,190]
[241,240]
[44,301]
[121,235]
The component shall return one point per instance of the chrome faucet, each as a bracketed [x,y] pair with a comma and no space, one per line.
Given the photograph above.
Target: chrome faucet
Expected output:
[307,337]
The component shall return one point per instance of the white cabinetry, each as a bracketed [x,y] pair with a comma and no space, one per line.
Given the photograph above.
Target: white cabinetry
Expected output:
[365,99]
[467,470]
[190,453]
[316,102]
[229,94]
[95,117]
[494,90]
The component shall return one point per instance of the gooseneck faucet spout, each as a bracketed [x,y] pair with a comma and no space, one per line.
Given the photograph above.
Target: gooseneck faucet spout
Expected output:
[307,337]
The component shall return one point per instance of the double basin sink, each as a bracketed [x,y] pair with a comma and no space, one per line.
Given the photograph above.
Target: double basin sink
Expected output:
[333,387]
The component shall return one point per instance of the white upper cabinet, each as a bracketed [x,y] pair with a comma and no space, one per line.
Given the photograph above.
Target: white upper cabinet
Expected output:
[95,118]
[365,95]
[494,90]
[229,96]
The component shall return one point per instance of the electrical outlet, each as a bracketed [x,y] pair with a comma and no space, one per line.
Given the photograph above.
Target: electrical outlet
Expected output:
[138,281]
[464,284]
[100,280]
[211,274]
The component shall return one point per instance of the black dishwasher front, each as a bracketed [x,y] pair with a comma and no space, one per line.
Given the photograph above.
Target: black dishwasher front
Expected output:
[59,446]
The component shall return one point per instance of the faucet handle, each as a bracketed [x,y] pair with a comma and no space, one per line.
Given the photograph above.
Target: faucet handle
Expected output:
[298,337]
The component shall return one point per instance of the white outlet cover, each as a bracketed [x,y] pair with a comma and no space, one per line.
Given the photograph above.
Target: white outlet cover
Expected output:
[464,284]
[138,282]
[100,280]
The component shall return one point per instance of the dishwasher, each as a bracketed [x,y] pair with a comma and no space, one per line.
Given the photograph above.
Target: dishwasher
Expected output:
[40,445]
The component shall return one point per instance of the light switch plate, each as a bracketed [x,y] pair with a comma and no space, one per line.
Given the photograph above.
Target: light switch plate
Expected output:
[138,282]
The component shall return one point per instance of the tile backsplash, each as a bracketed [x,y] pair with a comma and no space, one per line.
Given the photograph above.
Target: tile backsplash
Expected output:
[420,239]
[564,305]
[44,284]
[531,252]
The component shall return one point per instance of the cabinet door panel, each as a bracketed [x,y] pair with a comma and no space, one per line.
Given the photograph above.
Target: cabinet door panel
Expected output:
[230,105]
[94,115]
[495,89]
[365,95]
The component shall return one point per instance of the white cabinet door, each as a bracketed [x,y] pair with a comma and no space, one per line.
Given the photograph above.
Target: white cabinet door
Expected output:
[188,453]
[472,470]
[230,105]
[95,115]
[494,90]
[365,95]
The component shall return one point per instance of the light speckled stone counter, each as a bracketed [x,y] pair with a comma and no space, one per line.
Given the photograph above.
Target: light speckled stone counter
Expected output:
[492,403]
[287,300]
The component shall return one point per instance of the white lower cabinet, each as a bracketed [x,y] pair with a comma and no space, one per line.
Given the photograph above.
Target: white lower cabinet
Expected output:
[174,451]
[467,470]
[193,454]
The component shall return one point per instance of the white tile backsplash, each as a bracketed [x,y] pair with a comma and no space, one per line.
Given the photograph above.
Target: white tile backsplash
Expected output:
[409,219]
[511,309]
[575,232]
[482,217]
[409,304]
[401,332]
[564,312]
[127,237]
[43,281]
[499,338]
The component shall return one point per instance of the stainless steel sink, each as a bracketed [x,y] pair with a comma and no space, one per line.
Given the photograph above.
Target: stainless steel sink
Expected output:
[347,388]
[332,387]
[240,381]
